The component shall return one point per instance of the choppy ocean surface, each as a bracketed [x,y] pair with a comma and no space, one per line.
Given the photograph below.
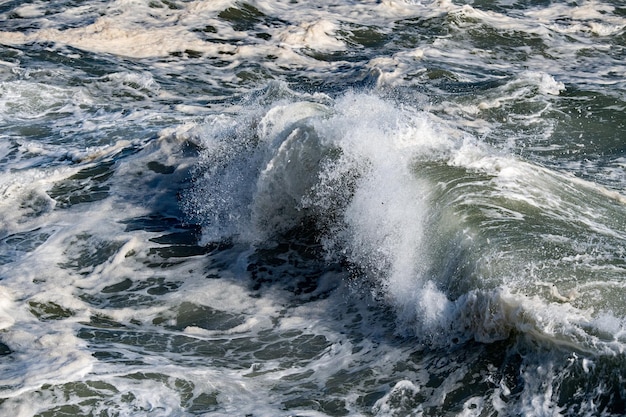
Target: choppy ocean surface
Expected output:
[329,208]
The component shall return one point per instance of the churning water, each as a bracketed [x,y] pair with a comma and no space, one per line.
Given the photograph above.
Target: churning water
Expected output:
[288,208]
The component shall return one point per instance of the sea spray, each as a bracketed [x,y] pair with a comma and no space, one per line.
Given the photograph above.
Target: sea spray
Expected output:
[422,216]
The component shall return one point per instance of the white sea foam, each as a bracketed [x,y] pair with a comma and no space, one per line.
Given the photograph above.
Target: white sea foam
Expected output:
[7,306]
[401,393]
[29,11]
[319,36]
[454,218]
[27,100]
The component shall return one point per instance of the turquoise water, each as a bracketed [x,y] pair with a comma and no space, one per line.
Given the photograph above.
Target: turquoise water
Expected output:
[287,209]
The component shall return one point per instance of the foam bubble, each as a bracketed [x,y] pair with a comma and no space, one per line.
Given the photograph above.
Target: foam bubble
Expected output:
[317,36]
[6,309]
[397,400]
[548,85]
[29,11]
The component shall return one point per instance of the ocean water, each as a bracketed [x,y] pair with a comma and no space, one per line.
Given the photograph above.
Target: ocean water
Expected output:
[330,208]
